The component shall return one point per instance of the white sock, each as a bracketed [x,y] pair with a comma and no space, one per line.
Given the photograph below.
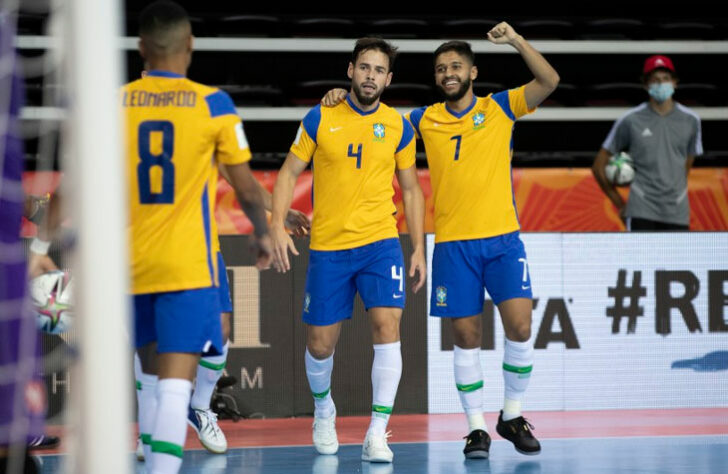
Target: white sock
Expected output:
[209,372]
[147,400]
[170,428]
[469,382]
[517,367]
[386,372]
[319,379]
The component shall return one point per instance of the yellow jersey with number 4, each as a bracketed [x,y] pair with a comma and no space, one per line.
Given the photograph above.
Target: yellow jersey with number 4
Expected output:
[469,156]
[354,154]
[176,132]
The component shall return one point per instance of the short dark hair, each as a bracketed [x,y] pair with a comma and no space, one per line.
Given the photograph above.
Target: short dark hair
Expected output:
[365,44]
[161,16]
[461,47]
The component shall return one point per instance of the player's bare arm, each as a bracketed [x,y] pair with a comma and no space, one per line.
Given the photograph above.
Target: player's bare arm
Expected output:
[414,207]
[282,197]
[250,198]
[545,76]
[296,221]
[600,162]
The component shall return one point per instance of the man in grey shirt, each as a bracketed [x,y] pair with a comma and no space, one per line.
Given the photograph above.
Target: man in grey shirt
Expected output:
[663,138]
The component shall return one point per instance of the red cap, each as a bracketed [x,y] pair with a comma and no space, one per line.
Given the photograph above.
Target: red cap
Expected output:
[657,62]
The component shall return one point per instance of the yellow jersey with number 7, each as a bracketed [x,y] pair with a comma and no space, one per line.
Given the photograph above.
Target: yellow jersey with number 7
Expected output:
[176,132]
[469,156]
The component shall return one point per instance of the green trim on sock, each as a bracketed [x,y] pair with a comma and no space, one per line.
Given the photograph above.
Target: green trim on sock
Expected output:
[382,409]
[322,394]
[471,387]
[139,384]
[167,448]
[517,370]
[211,366]
[146,438]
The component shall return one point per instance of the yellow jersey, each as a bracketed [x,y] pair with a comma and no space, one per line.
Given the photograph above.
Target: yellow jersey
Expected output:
[469,156]
[353,155]
[176,132]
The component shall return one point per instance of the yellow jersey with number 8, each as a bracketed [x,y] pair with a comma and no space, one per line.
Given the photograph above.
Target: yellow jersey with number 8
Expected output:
[176,132]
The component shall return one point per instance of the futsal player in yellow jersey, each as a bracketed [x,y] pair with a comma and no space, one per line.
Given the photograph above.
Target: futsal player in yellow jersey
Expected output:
[177,132]
[355,150]
[468,141]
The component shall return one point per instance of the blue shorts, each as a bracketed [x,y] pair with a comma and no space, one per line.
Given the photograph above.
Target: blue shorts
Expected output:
[462,269]
[226,304]
[333,277]
[179,321]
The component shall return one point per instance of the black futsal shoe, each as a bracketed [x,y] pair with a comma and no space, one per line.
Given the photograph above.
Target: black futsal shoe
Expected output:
[519,432]
[477,445]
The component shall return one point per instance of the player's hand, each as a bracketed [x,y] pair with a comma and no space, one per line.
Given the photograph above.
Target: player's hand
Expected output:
[262,248]
[282,242]
[298,223]
[333,97]
[418,268]
[39,264]
[502,33]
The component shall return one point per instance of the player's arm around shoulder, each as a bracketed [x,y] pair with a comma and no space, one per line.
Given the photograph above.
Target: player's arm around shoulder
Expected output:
[545,76]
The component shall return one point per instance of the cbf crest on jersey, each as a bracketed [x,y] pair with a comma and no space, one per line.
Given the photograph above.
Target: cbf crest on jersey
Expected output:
[378,132]
[478,121]
[441,296]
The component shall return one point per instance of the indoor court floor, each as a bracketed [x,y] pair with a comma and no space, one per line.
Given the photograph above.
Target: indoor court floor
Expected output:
[583,442]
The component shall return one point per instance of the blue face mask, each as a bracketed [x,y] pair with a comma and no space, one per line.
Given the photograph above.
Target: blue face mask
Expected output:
[661,91]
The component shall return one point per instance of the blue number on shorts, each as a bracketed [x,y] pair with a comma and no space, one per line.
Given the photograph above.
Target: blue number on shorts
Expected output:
[163,160]
[459,139]
[356,155]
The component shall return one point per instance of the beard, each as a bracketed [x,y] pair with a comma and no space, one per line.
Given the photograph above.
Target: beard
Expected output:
[458,94]
[364,99]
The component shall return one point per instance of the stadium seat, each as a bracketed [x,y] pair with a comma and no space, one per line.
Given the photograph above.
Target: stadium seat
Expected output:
[613,29]
[616,94]
[470,28]
[546,29]
[324,27]
[248,26]
[255,95]
[688,30]
[408,94]
[565,95]
[311,92]
[701,94]
[406,28]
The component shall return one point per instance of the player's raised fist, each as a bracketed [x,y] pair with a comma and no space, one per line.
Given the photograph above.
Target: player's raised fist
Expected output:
[502,33]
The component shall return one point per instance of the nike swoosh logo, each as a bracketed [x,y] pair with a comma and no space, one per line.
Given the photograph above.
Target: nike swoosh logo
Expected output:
[525,287]
[396,296]
[332,129]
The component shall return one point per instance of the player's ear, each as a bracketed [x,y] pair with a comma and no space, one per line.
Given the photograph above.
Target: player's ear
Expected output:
[389,80]
[350,71]
[190,43]
[473,73]
[142,49]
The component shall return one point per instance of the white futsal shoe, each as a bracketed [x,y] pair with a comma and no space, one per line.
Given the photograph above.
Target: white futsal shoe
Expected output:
[324,435]
[205,424]
[375,448]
